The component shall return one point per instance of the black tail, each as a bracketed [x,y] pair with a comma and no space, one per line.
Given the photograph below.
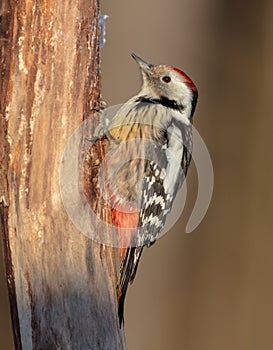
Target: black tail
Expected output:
[128,271]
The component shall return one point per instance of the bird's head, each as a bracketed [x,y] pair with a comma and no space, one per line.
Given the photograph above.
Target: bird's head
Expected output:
[160,81]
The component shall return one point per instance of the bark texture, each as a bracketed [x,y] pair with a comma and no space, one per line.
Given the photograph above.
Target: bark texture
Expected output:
[62,285]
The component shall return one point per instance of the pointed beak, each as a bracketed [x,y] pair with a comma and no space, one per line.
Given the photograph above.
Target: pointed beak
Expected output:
[145,66]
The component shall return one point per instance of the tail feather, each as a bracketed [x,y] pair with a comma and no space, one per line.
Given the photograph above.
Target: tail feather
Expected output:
[127,274]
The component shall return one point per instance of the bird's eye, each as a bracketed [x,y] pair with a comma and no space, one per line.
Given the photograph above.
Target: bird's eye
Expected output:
[166,79]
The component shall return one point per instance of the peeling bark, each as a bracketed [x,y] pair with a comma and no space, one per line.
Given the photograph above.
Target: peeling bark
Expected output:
[62,285]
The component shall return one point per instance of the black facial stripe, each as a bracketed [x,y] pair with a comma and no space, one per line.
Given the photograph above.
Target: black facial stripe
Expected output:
[194,102]
[164,101]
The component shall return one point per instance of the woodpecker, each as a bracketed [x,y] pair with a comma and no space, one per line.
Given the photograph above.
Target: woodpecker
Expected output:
[149,146]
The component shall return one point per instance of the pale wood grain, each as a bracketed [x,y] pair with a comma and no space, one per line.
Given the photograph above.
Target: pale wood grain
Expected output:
[62,285]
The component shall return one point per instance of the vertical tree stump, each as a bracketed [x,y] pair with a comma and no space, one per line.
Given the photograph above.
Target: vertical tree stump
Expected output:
[62,285]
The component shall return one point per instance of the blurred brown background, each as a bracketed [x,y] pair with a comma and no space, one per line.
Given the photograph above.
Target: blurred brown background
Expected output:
[211,289]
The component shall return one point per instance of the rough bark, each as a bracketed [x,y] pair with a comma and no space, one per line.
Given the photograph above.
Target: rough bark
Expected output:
[62,285]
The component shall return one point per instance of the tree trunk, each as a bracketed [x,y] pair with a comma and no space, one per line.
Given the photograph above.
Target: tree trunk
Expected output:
[62,284]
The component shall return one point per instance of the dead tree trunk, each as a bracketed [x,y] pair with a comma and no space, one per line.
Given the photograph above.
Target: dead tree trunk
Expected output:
[62,285]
